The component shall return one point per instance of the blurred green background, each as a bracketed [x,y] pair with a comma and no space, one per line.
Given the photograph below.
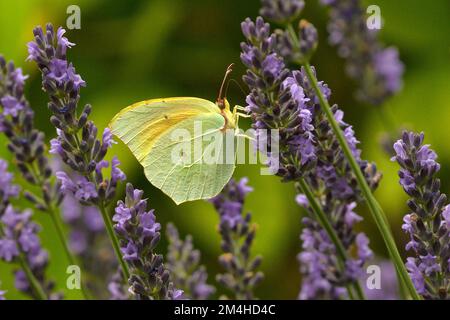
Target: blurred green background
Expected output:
[129,51]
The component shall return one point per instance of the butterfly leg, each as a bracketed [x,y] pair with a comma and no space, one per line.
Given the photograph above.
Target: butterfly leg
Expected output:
[238,107]
[236,132]
[243,115]
[245,136]
[236,116]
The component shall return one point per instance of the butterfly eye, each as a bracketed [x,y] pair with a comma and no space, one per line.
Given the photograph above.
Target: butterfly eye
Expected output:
[221,103]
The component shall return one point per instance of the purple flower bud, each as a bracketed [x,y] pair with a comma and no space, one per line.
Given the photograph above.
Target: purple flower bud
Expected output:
[33,51]
[122,215]
[116,173]
[11,106]
[67,185]
[107,139]
[130,252]
[55,147]
[85,190]
[63,41]
[302,200]
[272,66]
[7,189]
[416,275]
[8,249]
[364,252]
[281,11]
[21,282]
[446,215]
[148,223]
[28,238]
[351,218]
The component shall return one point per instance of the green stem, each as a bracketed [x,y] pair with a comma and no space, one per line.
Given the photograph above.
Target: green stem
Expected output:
[55,216]
[293,35]
[114,241]
[325,223]
[60,232]
[376,210]
[108,224]
[34,283]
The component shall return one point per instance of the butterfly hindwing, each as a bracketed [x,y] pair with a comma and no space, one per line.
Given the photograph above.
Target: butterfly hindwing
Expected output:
[200,174]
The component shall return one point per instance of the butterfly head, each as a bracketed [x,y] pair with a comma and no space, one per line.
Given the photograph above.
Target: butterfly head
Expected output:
[223,104]
[230,121]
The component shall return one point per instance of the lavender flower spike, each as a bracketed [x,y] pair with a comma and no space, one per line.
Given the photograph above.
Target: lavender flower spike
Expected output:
[377,69]
[89,241]
[183,263]
[285,109]
[428,225]
[26,143]
[322,276]
[237,233]
[20,244]
[310,152]
[77,143]
[281,11]
[139,235]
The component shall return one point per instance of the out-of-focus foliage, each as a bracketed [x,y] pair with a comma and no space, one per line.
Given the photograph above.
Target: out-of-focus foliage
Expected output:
[133,50]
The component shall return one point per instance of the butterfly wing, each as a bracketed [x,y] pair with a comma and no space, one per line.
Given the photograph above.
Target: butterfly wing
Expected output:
[148,129]
[140,124]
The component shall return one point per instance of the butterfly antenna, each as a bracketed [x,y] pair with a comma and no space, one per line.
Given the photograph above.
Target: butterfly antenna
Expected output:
[238,84]
[220,98]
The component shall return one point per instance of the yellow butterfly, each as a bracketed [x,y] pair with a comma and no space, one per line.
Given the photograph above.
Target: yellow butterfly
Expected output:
[148,129]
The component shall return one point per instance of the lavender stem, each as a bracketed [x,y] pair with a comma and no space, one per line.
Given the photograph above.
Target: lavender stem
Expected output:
[325,223]
[34,283]
[55,216]
[109,226]
[115,241]
[376,210]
